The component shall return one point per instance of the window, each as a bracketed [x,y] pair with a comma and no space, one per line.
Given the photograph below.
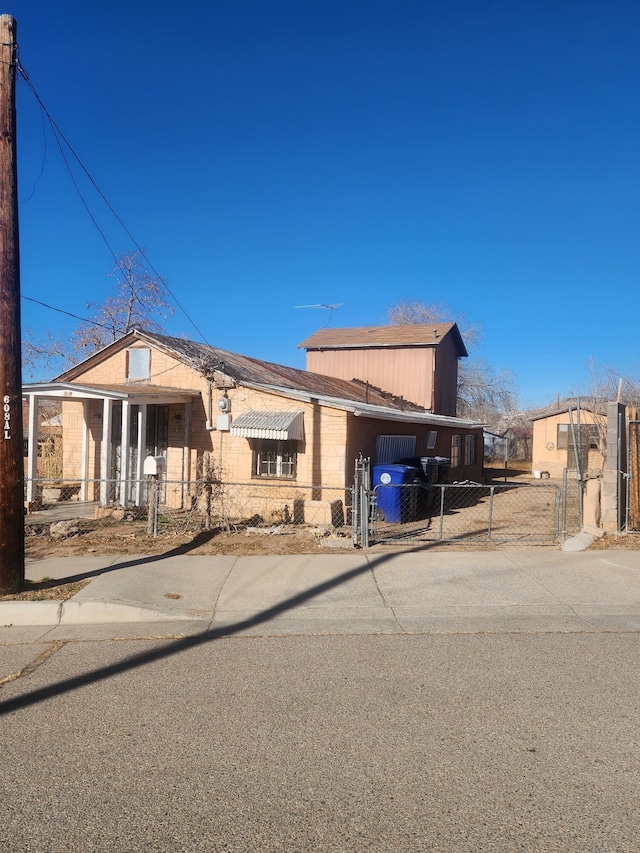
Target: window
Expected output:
[391,448]
[275,459]
[590,436]
[563,437]
[431,439]
[138,364]
[455,451]
[469,450]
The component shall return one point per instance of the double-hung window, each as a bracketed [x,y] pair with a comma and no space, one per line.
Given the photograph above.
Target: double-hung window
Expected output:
[469,450]
[456,441]
[562,438]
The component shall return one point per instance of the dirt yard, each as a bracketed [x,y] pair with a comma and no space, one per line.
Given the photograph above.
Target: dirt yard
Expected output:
[130,537]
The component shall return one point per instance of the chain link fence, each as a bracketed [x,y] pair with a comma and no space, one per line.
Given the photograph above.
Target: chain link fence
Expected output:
[466,512]
[169,508]
[462,512]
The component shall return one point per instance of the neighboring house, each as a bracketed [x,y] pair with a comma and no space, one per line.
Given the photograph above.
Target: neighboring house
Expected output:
[149,394]
[417,362]
[512,442]
[559,430]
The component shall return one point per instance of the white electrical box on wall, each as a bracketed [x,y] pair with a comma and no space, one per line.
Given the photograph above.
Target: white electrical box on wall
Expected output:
[223,423]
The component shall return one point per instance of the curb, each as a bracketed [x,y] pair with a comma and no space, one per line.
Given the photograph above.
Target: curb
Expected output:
[25,613]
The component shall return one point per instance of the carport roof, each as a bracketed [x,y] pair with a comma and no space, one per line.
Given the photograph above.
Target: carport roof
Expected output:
[132,393]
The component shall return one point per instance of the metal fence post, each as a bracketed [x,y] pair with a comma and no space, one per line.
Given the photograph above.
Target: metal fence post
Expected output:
[492,489]
[564,504]
[152,515]
[360,503]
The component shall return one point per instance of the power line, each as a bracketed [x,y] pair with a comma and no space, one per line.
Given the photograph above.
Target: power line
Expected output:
[68,313]
[58,135]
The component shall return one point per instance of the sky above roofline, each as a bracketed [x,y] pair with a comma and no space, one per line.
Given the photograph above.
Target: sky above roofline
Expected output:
[345,156]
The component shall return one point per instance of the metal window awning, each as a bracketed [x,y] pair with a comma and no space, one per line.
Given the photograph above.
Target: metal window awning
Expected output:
[285,426]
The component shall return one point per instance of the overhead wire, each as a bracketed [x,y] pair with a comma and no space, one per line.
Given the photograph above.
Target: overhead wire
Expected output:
[60,137]
[68,313]
[44,160]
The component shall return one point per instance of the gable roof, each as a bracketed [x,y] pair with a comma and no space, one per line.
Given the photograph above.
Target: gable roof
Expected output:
[585,404]
[410,335]
[218,364]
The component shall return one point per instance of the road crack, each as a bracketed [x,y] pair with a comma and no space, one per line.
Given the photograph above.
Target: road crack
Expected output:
[31,667]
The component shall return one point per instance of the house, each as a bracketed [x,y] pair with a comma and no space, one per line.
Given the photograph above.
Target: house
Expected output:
[255,422]
[560,429]
[418,362]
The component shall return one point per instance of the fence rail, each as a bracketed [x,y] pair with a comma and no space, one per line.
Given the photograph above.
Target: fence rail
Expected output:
[180,507]
[467,512]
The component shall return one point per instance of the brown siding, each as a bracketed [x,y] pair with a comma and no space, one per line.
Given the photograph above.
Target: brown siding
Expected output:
[406,372]
[446,378]
[363,433]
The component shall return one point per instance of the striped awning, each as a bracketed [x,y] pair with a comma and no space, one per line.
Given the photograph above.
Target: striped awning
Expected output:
[269,424]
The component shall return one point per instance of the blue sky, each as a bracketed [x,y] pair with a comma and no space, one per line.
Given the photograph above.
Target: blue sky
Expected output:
[268,155]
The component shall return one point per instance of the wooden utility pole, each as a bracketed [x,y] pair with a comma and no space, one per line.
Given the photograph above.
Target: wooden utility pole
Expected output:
[11,439]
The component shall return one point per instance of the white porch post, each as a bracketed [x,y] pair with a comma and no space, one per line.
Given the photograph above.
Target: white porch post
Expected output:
[32,458]
[186,467]
[105,451]
[124,453]
[84,464]
[142,433]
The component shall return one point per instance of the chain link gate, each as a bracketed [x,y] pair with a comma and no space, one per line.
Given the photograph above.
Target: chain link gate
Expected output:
[463,512]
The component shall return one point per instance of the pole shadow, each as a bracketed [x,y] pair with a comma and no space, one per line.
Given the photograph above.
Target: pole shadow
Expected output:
[174,647]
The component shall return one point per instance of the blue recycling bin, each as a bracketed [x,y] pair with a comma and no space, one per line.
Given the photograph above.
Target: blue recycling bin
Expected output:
[394,495]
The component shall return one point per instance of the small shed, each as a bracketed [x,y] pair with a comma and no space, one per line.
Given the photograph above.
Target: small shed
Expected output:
[571,435]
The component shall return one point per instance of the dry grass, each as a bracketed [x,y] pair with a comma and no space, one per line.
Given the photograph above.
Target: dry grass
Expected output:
[611,541]
[45,590]
[133,539]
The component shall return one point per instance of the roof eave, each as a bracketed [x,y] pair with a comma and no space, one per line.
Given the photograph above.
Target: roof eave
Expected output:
[365,410]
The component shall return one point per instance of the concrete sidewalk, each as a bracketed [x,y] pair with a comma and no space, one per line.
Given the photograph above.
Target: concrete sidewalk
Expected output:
[417,592]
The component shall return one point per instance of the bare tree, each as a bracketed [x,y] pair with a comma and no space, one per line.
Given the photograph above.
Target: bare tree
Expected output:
[407,312]
[484,393]
[605,386]
[138,300]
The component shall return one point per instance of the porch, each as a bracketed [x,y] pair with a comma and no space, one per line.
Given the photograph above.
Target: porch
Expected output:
[118,427]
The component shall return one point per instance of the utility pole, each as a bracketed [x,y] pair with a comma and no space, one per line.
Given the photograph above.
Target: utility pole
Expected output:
[11,439]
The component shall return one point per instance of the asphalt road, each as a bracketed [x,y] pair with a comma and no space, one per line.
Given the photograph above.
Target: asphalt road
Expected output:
[430,742]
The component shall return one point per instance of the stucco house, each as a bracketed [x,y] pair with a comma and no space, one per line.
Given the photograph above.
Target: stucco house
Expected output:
[560,429]
[257,422]
[418,362]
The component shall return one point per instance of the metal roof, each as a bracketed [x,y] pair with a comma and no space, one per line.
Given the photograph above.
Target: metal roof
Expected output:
[269,424]
[219,365]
